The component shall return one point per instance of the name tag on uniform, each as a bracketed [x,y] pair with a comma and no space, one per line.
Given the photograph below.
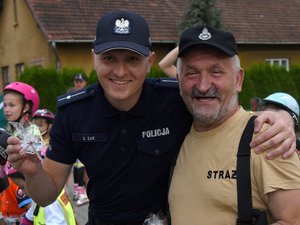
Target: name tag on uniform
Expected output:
[90,137]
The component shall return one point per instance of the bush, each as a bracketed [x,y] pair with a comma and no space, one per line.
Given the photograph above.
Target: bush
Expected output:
[156,72]
[262,80]
[47,82]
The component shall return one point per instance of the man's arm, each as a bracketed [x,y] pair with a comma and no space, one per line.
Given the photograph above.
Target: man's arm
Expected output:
[284,206]
[167,63]
[44,179]
[53,175]
[280,136]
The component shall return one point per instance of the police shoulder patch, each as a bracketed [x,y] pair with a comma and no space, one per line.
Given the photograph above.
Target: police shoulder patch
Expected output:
[76,96]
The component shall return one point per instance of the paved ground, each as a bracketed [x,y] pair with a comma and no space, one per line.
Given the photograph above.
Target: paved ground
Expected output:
[81,212]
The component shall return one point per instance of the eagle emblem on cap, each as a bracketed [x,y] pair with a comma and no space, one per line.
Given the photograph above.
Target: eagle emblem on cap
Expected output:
[205,35]
[122,26]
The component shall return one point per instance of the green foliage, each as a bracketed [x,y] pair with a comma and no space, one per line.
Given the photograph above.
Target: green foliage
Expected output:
[93,77]
[67,76]
[201,12]
[248,89]
[262,80]
[50,83]
[156,72]
[47,82]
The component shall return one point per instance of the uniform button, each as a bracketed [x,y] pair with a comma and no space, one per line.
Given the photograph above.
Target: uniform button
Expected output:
[123,149]
[124,131]
[157,152]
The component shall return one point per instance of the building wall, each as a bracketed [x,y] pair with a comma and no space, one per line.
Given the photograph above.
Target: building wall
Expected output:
[21,40]
[75,55]
[250,54]
[78,55]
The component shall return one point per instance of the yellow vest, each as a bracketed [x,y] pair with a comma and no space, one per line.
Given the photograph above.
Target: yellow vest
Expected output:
[63,199]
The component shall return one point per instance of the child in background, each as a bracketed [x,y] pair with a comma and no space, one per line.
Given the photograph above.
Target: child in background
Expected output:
[14,203]
[79,190]
[281,100]
[79,173]
[43,118]
[59,212]
[20,102]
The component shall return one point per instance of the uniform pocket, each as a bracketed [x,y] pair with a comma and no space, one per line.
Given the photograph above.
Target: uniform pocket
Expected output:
[157,146]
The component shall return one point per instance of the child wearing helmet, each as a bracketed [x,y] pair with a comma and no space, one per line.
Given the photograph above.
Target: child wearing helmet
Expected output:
[13,201]
[281,100]
[43,118]
[20,103]
[59,212]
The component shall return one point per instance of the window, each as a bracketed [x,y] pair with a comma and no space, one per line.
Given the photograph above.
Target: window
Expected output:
[19,69]
[279,62]
[5,75]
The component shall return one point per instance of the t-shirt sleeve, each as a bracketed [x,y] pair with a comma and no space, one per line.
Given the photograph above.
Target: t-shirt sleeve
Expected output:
[275,174]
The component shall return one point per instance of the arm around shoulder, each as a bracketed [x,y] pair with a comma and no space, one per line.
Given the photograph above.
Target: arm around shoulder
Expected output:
[280,135]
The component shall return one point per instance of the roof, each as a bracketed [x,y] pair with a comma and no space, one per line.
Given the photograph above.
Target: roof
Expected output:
[76,19]
[263,22]
[251,21]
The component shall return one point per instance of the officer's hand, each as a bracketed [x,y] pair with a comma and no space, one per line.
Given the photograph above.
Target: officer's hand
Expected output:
[281,134]
[22,162]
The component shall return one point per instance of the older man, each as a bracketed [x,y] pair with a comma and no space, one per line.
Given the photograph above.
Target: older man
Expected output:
[203,188]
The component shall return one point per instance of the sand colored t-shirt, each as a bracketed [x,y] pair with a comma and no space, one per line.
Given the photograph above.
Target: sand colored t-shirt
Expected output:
[203,187]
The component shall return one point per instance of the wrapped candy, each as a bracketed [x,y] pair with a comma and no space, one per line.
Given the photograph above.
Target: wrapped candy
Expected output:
[155,219]
[31,141]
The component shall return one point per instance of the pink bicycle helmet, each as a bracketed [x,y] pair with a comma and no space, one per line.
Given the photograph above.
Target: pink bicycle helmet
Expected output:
[9,169]
[12,172]
[29,93]
[44,113]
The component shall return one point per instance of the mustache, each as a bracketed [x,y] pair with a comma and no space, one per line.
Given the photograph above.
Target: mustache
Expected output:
[210,93]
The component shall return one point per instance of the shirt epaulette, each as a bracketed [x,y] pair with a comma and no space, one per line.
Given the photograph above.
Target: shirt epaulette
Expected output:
[76,96]
[164,82]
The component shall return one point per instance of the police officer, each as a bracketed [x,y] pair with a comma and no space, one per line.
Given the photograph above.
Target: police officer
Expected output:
[126,130]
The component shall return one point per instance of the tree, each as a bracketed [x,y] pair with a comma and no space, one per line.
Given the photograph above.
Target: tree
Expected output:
[201,12]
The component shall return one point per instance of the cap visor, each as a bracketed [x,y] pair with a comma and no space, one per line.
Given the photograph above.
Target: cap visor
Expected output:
[225,50]
[104,47]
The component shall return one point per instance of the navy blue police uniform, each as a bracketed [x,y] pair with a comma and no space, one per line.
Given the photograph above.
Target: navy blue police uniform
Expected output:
[127,154]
